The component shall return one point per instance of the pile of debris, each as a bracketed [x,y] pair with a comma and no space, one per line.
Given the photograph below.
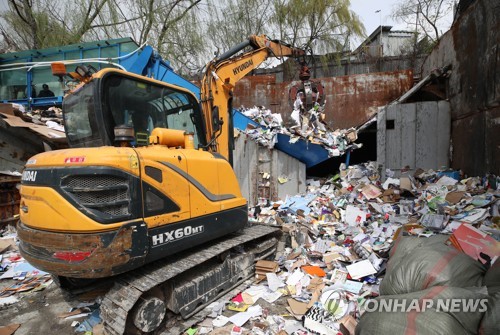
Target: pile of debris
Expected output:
[20,283]
[23,277]
[51,117]
[340,235]
[46,124]
[336,142]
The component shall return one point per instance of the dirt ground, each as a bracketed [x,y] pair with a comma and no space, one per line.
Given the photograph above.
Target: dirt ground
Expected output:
[37,312]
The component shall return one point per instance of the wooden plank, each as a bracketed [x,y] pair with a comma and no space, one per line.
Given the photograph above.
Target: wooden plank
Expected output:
[292,169]
[427,128]
[408,135]
[393,138]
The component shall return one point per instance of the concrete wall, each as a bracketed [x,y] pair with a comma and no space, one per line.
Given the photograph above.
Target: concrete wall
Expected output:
[414,135]
[252,161]
[472,48]
[350,100]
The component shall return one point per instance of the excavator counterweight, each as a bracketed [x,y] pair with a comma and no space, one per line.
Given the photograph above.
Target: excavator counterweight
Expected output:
[220,77]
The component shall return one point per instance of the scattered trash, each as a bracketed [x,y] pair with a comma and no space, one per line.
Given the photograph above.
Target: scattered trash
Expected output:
[475,243]
[51,117]
[13,267]
[88,324]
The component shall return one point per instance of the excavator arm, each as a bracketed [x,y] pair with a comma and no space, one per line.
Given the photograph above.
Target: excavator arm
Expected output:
[221,76]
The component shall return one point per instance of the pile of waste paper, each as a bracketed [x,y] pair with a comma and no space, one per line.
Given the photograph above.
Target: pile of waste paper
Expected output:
[353,239]
[336,142]
[21,276]
[19,281]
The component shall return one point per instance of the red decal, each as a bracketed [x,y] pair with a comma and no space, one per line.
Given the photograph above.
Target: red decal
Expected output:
[74,159]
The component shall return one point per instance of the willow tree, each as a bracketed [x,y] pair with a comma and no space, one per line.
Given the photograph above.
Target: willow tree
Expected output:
[323,27]
[230,22]
[35,24]
[151,21]
[320,26]
[185,46]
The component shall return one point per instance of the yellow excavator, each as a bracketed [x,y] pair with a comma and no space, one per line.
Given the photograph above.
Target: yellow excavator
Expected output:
[146,193]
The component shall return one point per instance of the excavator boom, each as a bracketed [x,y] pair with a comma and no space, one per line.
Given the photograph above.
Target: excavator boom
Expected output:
[221,76]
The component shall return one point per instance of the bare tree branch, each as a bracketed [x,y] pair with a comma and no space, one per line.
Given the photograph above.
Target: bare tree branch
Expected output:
[168,24]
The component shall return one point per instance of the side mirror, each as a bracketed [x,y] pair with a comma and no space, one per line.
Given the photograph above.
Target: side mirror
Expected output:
[216,122]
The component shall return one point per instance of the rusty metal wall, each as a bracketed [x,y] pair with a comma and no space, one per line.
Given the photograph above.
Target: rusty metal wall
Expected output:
[472,48]
[350,100]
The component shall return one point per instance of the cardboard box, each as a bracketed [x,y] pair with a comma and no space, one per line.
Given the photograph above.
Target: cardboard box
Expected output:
[262,267]
[6,109]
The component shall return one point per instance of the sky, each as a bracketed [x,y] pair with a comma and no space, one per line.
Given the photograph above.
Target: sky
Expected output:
[366,12]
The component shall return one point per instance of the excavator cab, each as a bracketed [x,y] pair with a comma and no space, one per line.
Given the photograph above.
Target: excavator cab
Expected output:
[114,98]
